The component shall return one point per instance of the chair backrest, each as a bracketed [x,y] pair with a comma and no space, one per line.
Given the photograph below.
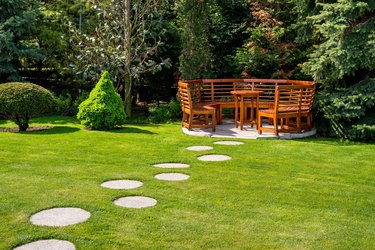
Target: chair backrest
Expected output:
[288,98]
[185,97]
[308,96]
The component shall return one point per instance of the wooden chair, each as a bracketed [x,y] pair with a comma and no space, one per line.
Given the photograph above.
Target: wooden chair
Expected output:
[195,115]
[287,104]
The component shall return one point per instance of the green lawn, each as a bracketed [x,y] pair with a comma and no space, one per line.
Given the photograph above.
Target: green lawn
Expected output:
[300,194]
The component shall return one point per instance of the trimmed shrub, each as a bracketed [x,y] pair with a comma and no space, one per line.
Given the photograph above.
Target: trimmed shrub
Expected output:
[103,110]
[21,101]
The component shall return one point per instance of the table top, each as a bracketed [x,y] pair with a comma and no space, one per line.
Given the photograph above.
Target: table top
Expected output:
[246,92]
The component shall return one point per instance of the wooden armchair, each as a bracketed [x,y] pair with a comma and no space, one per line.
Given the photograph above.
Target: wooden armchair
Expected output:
[287,104]
[195,115]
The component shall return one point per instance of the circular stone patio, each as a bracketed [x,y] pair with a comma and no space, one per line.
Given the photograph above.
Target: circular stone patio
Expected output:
[229,143]
[171,165]
[135,202]
[172,177]
[199,148]
[60,217]
[228,130]
[214,158]
[122,184]
[47,245]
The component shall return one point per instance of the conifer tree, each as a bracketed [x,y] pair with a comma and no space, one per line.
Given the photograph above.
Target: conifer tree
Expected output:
[17,36]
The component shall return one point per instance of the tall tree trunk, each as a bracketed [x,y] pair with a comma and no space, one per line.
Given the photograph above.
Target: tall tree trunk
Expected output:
[128,58]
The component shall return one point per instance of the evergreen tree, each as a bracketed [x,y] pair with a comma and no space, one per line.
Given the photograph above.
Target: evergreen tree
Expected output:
[196,56]
[18,41]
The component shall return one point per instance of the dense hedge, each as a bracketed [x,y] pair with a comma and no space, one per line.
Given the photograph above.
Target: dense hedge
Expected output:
[350,111]
[21,101]
[103,110]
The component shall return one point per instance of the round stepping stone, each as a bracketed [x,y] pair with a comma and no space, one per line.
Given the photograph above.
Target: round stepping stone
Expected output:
[214,157]
[230,143]
[135,202]
[47,245]
[60,217]
[171,165]
[172,177]
[122,184]
[199,148]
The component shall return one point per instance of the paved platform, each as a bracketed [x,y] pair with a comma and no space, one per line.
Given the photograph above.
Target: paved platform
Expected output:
[228,130]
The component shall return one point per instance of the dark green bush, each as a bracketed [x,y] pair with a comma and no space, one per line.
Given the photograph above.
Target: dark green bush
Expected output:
[67,106]
[165,112]
[103,110]
[350,112]
[21,101]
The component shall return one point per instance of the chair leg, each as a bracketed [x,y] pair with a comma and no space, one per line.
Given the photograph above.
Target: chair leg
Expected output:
[275,126]
[214,121]
[259,121]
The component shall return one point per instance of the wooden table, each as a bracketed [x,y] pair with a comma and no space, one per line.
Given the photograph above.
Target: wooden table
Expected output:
[239,99]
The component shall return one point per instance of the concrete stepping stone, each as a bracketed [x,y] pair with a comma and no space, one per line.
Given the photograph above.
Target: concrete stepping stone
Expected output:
[122,184]
[172,177]
[214,157]
[135,202]
[51,244]
[171,165]
[60,217]
[199,148]
[229,143]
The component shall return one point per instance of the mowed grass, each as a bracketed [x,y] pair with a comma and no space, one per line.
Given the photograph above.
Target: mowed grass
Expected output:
[273,194]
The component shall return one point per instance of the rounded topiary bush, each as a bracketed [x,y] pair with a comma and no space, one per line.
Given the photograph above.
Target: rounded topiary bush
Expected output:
[103,110]
[21,101]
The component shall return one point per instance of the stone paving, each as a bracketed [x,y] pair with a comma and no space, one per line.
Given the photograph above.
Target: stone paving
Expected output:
[228,130]
[65,216]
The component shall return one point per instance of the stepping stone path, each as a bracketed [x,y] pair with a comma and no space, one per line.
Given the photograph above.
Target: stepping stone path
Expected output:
[65,216]
[60,217]
[172,177]
[47,245]
[122,184]
[229,143]
[199,148]
[135,202]
[214,157]
[171,165]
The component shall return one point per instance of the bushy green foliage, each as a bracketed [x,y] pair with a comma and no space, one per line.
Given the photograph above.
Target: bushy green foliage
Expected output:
[350,111]
[17,36]
[270,50]
[165,112]
[103,110]
[68,106]
[196,57]
[21,101]
[346,53]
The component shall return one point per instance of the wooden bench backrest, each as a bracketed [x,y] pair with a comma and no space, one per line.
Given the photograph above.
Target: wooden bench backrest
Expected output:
[218,90]
[288,98]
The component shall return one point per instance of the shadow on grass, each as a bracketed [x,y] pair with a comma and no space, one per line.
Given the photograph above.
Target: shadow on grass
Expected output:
[131,130]
[58,120]
[52,131]
[334,142]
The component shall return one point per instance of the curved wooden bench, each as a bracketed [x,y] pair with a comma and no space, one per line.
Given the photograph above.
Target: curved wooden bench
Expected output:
[216,92]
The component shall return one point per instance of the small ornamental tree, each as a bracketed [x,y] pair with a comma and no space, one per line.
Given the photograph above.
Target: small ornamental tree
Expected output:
[21,101]
[103,110]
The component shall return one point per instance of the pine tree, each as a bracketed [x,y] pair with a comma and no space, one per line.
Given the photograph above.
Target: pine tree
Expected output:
[18,42]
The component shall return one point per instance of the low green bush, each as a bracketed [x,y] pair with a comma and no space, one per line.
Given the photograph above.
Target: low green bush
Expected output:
[66,105]
[103,110]
[165,112]
[21,101]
